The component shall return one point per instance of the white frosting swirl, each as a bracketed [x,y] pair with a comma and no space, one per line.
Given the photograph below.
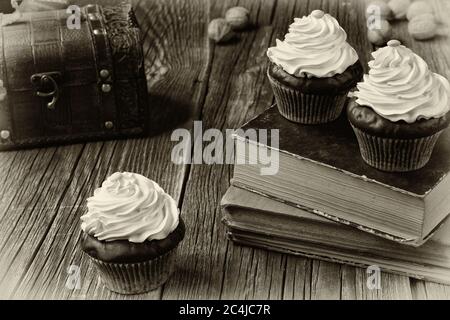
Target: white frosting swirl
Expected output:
[130,207]
[400,86]
[315,46]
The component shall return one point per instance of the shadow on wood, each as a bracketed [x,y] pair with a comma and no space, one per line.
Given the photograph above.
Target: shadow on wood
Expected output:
[167,114]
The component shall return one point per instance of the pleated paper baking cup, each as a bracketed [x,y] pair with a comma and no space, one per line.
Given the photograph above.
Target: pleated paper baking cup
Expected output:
[305,108]
[396,155]
[136,278]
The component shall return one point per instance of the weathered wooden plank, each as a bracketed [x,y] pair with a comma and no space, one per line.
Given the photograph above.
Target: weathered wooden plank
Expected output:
[349,283]
[332,281]
[395,287]
[7,163]
[325,281]
[237,81]
[40,181]
[297,280]
[38,279]
[174,40]
[418,290]
[355,286]
[429,291]
[260,275]
[14,168]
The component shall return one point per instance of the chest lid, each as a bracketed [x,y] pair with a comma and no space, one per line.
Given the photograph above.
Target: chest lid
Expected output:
[41,43]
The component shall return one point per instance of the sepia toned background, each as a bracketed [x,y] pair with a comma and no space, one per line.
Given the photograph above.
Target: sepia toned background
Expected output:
[43,191]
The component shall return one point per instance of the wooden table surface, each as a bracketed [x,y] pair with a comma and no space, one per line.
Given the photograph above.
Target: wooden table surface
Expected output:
[43,191]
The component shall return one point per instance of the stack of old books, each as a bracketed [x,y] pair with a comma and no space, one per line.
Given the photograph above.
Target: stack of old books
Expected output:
[324,202]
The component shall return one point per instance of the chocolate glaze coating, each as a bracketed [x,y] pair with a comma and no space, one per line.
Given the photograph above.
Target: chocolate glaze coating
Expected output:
[126,252]
[367,120]
[339,83]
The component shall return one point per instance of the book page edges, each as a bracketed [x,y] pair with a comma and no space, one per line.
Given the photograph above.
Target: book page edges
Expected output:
[363,178]
[416,242]
[437,213]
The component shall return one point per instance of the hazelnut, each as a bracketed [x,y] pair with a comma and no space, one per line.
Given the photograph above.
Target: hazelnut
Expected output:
[418,8]
[399,8]
[378,9]
[220,30]
[238,18]
[423,27]
[380,34]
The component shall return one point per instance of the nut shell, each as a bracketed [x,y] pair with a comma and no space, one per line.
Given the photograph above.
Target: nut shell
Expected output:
[220,30]
[238,18]
[418,8]
[423,27]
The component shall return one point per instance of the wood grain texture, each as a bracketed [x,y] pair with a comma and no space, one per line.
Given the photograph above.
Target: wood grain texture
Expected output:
[30,208]
[237,80]
[43,192]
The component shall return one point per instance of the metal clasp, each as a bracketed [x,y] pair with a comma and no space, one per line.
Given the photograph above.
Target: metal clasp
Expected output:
[46,85]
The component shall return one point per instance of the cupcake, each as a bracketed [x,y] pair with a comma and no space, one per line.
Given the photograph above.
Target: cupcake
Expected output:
[313,70]
[399,110]
[131,232]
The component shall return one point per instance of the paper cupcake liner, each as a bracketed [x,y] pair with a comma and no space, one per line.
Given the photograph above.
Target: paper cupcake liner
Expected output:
[136,278]
[396,155]
[304,108]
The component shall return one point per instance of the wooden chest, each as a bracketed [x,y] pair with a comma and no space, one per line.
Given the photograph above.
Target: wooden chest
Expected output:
[63,85]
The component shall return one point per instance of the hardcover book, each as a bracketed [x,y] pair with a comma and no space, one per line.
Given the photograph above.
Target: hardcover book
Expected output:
[257,221]
[321,171]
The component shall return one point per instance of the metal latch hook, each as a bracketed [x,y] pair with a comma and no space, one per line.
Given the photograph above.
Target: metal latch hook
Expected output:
[47,87]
